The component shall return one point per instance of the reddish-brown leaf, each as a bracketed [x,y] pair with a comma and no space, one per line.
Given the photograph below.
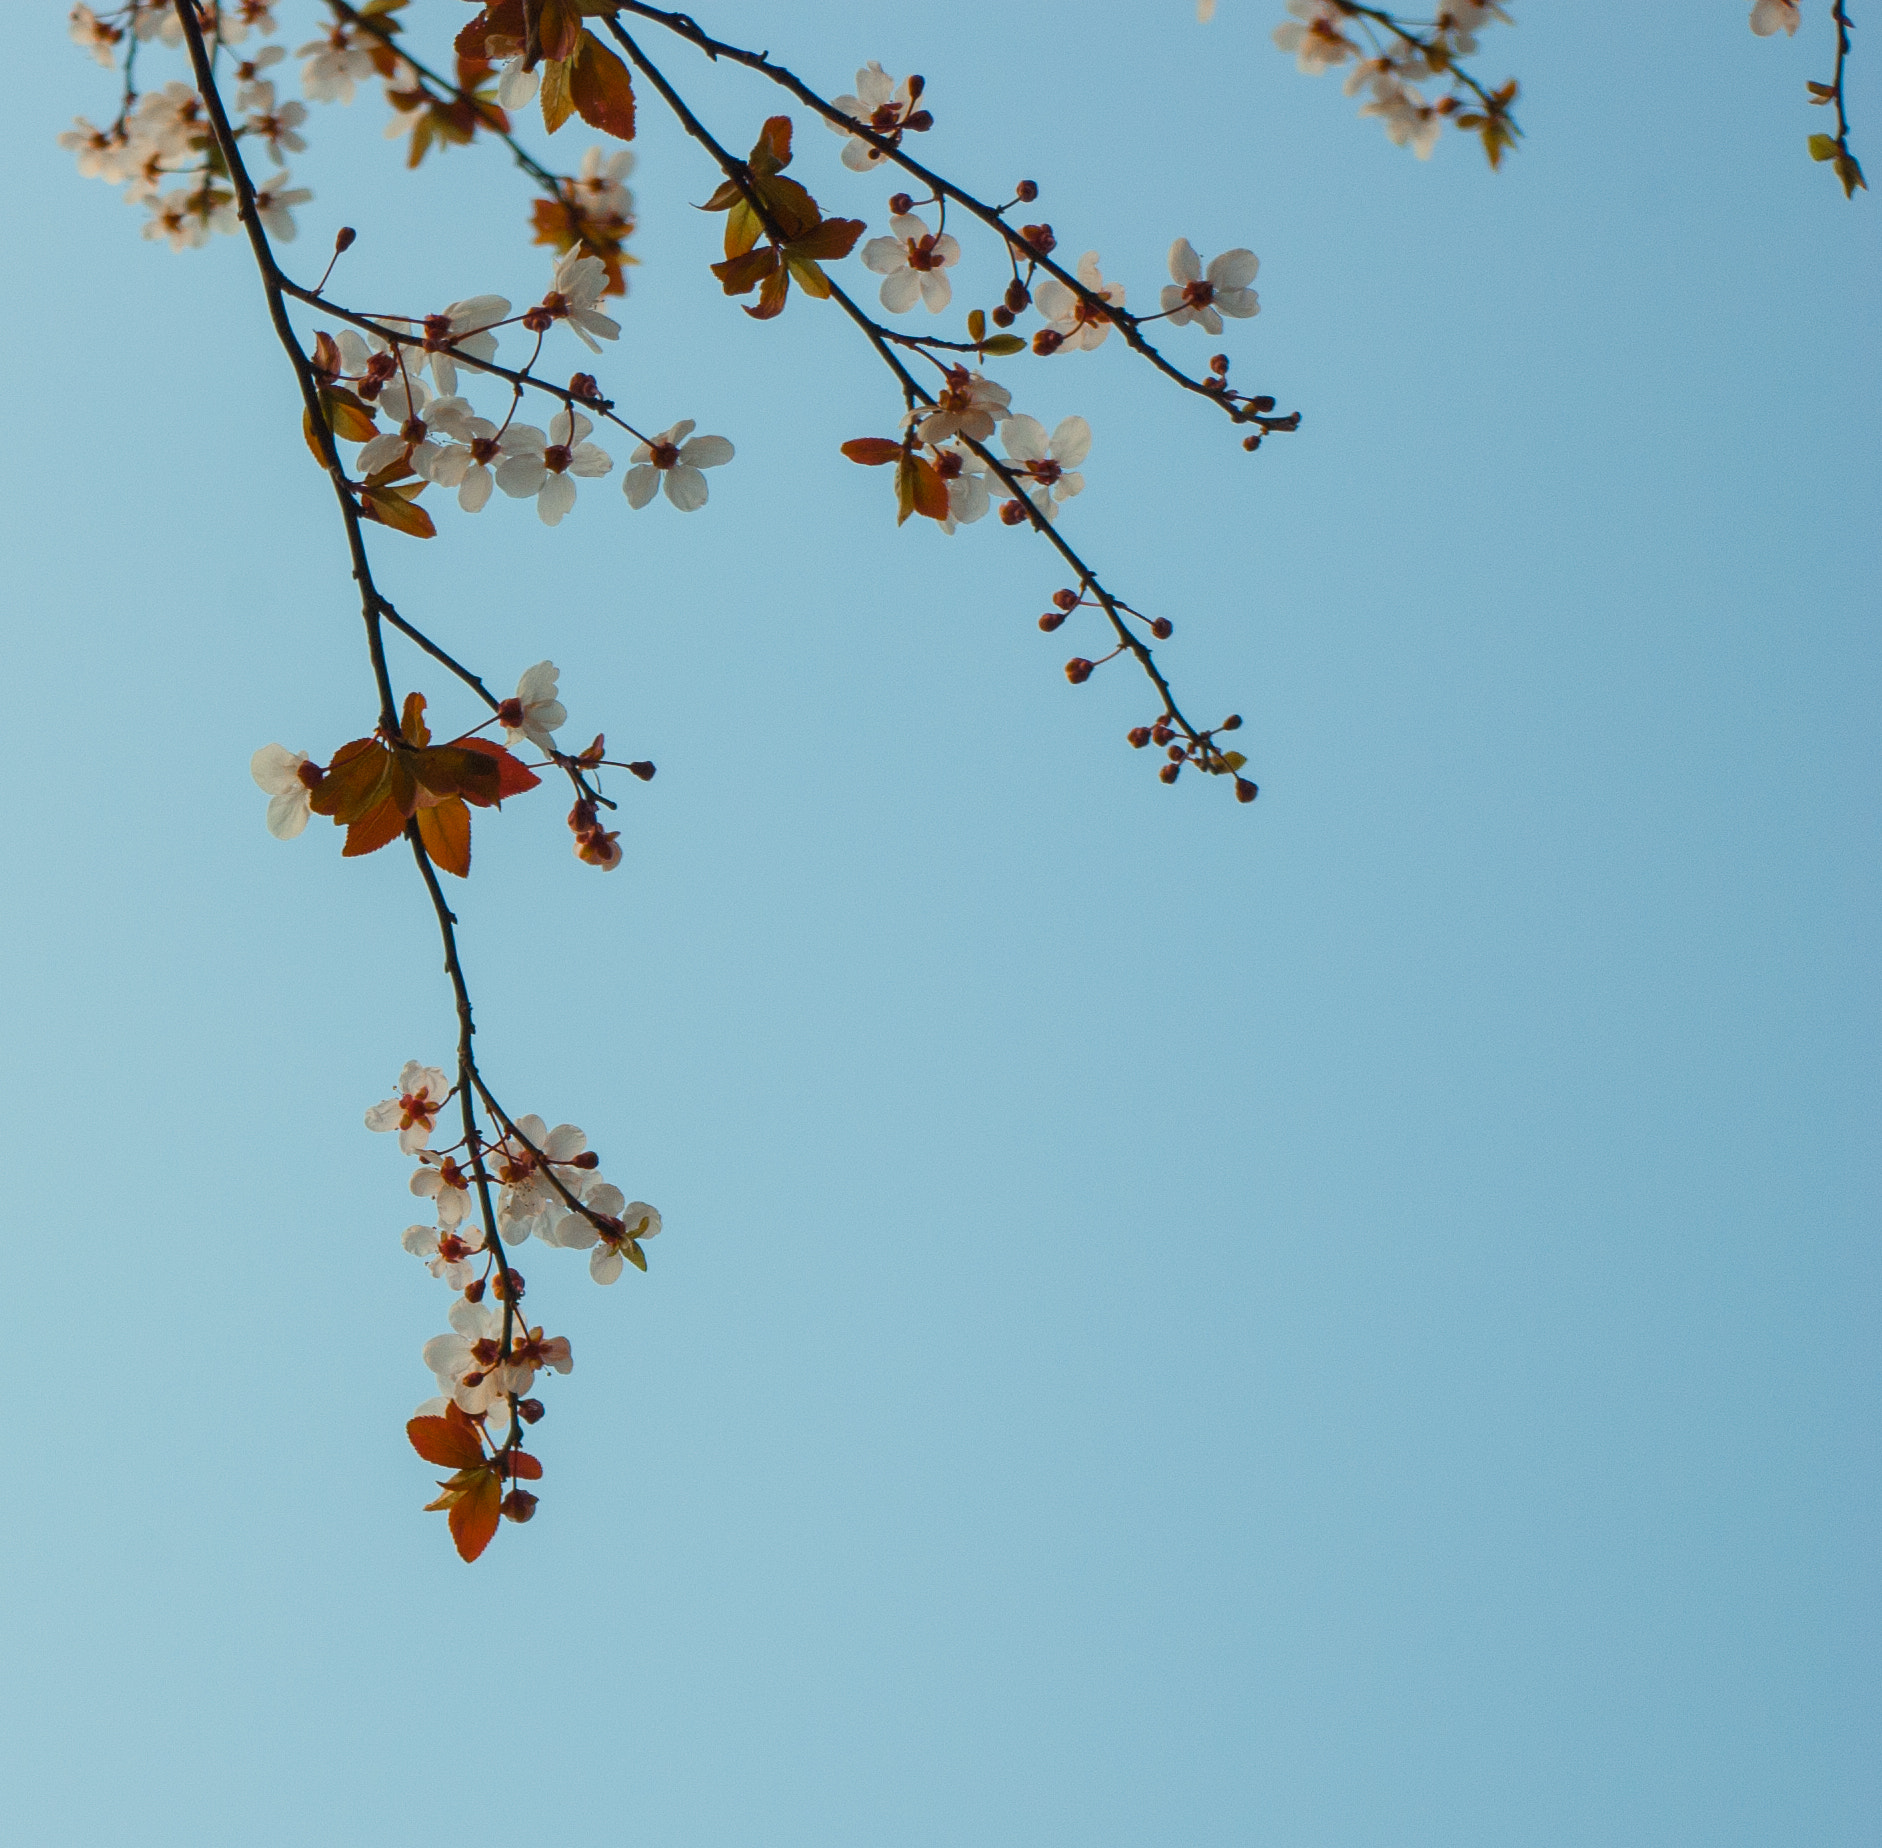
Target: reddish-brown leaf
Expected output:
[792,209]
[739,274]
[872,451]
[451,1442]
[920,489]
[373,830]
[412,724]
[354,781]
[524,1467]
[446,831]
[602,90]
[475,1513]
[560,28]
[504,18]
[450,770]
[513,775]
[772,152]
[833,238]
[771,294]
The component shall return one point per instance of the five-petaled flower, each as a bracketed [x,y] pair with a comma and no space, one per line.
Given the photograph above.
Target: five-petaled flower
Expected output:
[465,462]
[1314,35]
[535,713]
[1076,322]
[288,780]
[467,1360]
[673,460]
[598,186]
[334,64]
[966,405]
[884,107]
[528,1180]
[580,282]
[451,1256]
[414,413]
[440,1180]
[413,1109]
[912,264]
[545,466]
[462,329]
[1205,296]
[1047,470]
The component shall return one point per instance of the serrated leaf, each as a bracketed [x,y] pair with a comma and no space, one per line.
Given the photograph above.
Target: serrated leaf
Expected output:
[475,1514]
[354,782]
[557,104]
[445,829]
[742,273]
[450,1442]
[450,770]
[829,239]
[513,775]
[375,829]
[559,28]
[602,89]
[524,1467]
[809,275]
[743,228]
[771,294]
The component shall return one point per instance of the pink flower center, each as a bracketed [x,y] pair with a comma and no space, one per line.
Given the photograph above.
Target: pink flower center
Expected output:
[1198,294]
[664,454]
[921,254]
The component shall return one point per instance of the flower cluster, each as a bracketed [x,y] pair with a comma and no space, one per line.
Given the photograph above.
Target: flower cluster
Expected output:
[489,1193]
[1391,56]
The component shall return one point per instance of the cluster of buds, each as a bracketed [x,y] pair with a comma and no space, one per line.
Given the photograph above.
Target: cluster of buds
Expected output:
[1182,747]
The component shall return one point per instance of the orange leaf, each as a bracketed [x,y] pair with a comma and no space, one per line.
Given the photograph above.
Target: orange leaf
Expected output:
[557,104]
[450,770]
[771,294]
[920,489]
[445,830]
[412,720]
[833,238]
[525,1467]
[354,781]
[872,451]
[772,151]
[602,90]
[451,1442]
[475,1513]
[394,510]
[374,830]
[739,274]
[505,19]
[513,775]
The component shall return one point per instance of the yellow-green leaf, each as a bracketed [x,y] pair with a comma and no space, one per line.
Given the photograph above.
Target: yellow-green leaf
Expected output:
[557,102]
[1822,147]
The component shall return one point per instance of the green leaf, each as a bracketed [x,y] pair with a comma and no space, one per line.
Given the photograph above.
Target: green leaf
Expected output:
[1823,147]
[1003,344]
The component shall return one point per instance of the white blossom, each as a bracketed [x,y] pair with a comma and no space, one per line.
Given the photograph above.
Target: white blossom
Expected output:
[882,104]
[92,34]
[272,200]
[413,1108]
[465,462]
[1078,324]
[334,65]
[598,187]
[279,128]
[440,1180]
[1767,17]
[1204,296]
[967,405]
[580,282]
[535,714]
[544,467]
[277,772]
[673,459]
[252,89]
[465,1361]
[1047,469]
[912,264]
[1314,36]
[414,413]
[1408,119]
[450,1255]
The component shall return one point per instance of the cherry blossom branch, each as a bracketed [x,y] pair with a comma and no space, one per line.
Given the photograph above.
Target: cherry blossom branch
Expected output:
[1835,148]
[1128,325]
[1202,749]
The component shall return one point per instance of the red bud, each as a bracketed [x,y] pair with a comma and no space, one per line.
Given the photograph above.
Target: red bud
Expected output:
[519,1504]
[1245,791]
[530,1410]
[901,203]
[1051,620]
[1139,736]
[1065,599]
[1027,191]
[1013,513]
[1232,723]
[343,239]
[1163,628]
[643,770]
[1169,773]
[1078,670]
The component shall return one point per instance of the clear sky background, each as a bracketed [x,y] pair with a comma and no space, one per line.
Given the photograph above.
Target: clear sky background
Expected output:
[1350,1321]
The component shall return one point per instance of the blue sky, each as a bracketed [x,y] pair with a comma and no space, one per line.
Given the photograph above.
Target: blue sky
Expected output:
[1338,1322]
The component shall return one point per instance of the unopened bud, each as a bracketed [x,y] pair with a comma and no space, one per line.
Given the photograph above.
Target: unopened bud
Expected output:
[1163,628]
[1078,670]
[1013,513]
[1018,295]
[530,1410]
[920,122]
[1177,753]
[474,1290]
[1160,733]
[1047,340]
[1232,723]
[1169,773]
[1065,599]
[1027,191]
[915,87]
[343,239]
[1260,406]
[1051,620]
[507,1286]
[519,1504]
[1003,316]
[1251,443]
[1139,736]
[1245,791]
[1040,238]
[585,385]
[1220,363]
[586,1159]
[643,770]
[901,204]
